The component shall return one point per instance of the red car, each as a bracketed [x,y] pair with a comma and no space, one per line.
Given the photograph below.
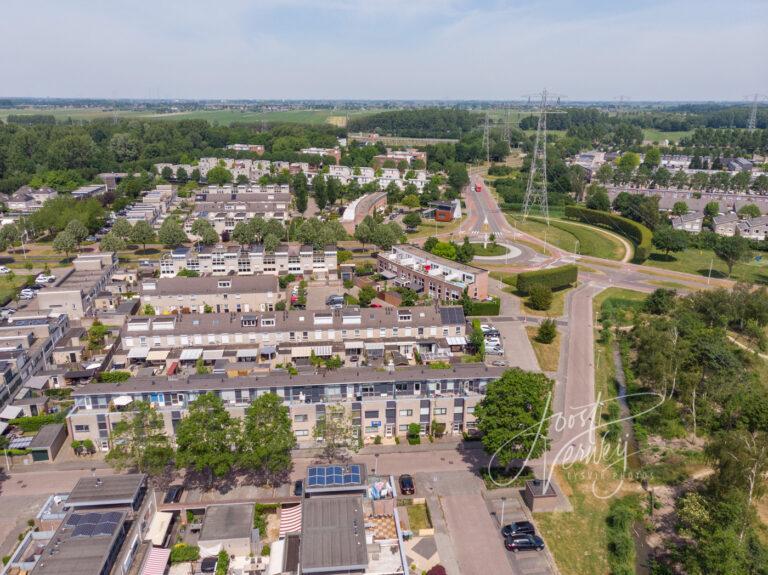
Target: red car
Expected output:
[375,305]
[478,187]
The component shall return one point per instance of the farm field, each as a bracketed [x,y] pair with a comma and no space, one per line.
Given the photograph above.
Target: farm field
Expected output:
[652,135]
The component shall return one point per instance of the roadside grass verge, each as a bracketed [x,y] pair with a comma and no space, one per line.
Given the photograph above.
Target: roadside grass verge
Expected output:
[547,354]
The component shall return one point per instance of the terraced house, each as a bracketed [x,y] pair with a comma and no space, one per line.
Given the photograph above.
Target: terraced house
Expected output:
[379,402]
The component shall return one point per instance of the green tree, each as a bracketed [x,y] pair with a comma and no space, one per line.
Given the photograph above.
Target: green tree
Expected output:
[149,309]
[142,233]
[668,239]
[77,230]
[65,242]
[513,416]
[679,209]
[445,250]
[181,175]
[597,198]
[679,179]
[732,250]
[749,211]
[122,228]
[477,338]
[207,438]
[605,174]
[166,173]
[712,209]
[547,331]
[267,438]
[540,297]
[96,335]
[411,201]
[205,231]
[219,175]
[171,233]
[336,431]
[244,233]
[412,220]
[366,295]
[112,243]
[660,302]
[318,190]
[300,192]
[652,158]
[139,442]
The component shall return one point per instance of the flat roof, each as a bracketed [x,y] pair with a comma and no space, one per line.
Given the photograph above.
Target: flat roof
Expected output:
[227,522]
[210,285]
[47,435]
[82,544]
[333,534]
[106,490]
[444,262]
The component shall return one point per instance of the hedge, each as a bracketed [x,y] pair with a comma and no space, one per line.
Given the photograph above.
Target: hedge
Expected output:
[34,423]
[636,232]
[181,553]
[553,278]
[485,307]
[114,376]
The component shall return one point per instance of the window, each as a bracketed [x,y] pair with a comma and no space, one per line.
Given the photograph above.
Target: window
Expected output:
[471,410]
[302,432]
[403,427]
[82,428]
[424,411]
[458,409]
[225,284]
[440,411]
[401,386]
[406,412]
[301,418]
[372,414]
[383,332]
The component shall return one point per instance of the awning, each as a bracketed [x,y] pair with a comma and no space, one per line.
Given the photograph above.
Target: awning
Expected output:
[138,353]
[157,560]
[158,354]
[36,382]
[159,528]
[374,345]
[388,275]
[11,412]
[122,401]
[458,340]
[190,354]
[353,345]
[323,350]
[301,351]
[290,520]
[268,349]
[213,354]
[250,352]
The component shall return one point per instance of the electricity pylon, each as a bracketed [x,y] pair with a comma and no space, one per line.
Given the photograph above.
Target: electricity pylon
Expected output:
[752,123]
[536,191]
[487,140]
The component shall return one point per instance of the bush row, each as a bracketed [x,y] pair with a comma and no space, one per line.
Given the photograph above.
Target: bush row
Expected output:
[552,278]
[636,232]
[34,423]
[484,308]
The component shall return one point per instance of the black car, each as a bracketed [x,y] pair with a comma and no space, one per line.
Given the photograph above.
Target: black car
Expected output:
[173,495]
[208,565]
[517,528]
[298,488]
[407,487]
[523,542]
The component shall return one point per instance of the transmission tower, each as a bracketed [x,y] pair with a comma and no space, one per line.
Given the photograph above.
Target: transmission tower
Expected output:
[487,140]
[536,191]
[752,123]
[506,126]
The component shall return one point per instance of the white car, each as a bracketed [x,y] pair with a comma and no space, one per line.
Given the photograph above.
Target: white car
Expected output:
[44,279]
[484,327]
[5,270]
[493,342]
[26,294]
[494,351]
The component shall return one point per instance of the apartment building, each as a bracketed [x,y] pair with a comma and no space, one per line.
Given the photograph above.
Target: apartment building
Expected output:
[379,402]
[27,342]
[236,294]
[74,293]
[331,152]
[443,279]
[233,259]
[26,199]
[253,148]
[408,156]
[293,336]
[153,205]
[89,191]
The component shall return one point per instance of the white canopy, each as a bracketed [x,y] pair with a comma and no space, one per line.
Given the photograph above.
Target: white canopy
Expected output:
[191,354]
[158,354]
[138,353]
[11,412]
[353,345]
[122,401]
[458,340]
[159,528]
[213,354]
[250,352]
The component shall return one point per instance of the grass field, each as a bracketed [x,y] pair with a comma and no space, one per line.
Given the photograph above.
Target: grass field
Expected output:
[620,300]
[651,135]
[697,262]
[225,117]
[489,250]
[434,228]
[556,309]
[568,236]
[547,354]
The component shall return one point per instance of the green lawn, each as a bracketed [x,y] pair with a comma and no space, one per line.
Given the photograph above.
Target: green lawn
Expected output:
[489,250]
[434,228]
[547,354]
[565,235]
[658,136]
[8,289]
[418,517]
[697,262]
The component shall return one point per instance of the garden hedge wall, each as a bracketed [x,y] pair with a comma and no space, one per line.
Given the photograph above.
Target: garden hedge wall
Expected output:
[636,232]
[553,278]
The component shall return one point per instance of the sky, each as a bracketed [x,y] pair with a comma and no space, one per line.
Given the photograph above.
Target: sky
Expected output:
[384,49]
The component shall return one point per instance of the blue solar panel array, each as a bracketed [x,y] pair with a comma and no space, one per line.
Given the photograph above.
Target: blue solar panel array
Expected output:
[94,524]
[334,476]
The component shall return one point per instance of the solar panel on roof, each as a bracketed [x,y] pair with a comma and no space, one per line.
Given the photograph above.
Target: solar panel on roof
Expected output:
[111,516]
[83,530]
[73,520]
[91,518]
[105,528]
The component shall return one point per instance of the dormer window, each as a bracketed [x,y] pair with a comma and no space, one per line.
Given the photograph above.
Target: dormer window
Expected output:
[225,284]
[268,323]
[404,316]
[249,321]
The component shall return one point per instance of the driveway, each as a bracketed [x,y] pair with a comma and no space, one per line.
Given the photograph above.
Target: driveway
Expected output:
[518,350]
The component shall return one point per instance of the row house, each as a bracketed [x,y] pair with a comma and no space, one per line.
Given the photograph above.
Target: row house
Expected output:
[379,402]
[226,259]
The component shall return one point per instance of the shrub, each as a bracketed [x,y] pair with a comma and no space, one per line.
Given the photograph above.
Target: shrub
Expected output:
[638,233]
[413,433]
[348,284]
[181,553]
[540,297]
[547,331]
[185,273]
[377,440]
[485,308]
[114,376]
[265,550]
[439,365]
[35,422]
[285,280]
[222,563]
[553,278]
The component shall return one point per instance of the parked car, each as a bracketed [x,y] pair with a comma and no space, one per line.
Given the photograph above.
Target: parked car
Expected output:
[407,487]
[485,328]
[173,495]
[298,488]
[5,270]
[7,312]
[499,363]
[492,333]
[208,564]
[523,542]
[517,528]
[331,299]
[45,279]
[27,294]
[494,351]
